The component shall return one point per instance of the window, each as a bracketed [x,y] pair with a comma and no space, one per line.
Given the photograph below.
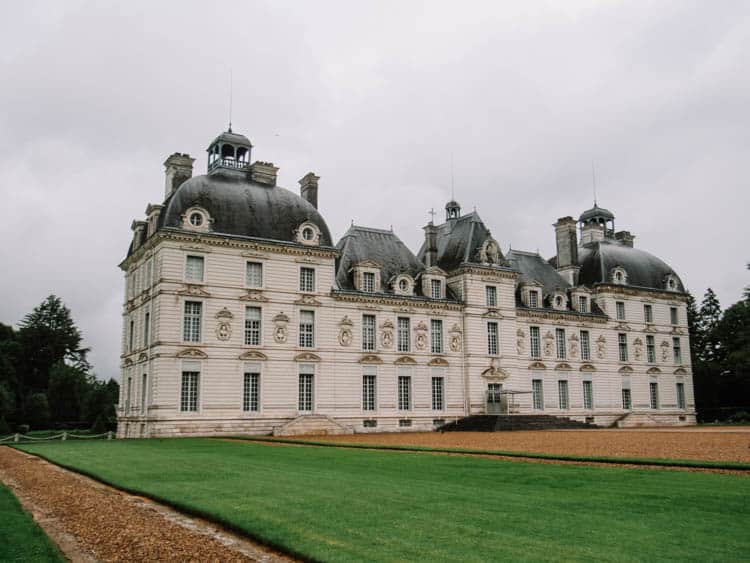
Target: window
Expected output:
[680,395]
[437,394]
[653,387]
[650,349]
[368,388]
[306,329]
[306,379]
[583,304]
[368,333]
[128,395]
[626,402]
[588,395]
[371,423]
[149,273]
[437,336]
[585,345]
[189,394]
[491,294]
[537,394]
[673,315]
[404,423]
[677,350]
[196,219]
[404,392]
[131,335]
[254,275]
[403,285]
[252,326]
[562,394]
[251,391]
[368,282]
[144,393]
[404,334]
[492,347]
[648,313]
[622,342]
[194,269]
[308,233]
[620,305]
[146,328]
[533,299]
[536,351]
[438,422]
[307,279]
[191,326]
[436,287]
[560,340]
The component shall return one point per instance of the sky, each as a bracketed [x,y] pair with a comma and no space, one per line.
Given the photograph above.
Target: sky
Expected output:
[377,98]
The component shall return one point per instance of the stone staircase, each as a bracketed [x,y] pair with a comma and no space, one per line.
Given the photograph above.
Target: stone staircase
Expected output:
[312,424]
[497,423]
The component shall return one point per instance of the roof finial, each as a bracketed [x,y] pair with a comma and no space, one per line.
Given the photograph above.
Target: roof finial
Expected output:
[431,213]
[593,180]
[453,195]
[230,99]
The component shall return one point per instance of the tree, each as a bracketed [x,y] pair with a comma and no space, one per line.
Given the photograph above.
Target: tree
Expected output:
[709,315]
[38,409]
[66,393]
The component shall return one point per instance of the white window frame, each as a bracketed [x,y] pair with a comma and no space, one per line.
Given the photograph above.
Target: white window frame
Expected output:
[650,349]
[493,338]
[585,337]
[403,334]
[653,394]
[436,336]
[307,329]
[583,304]
[648,313]
[191,275]
[674,316]
[251,385]
[620,310]
[368,282]
[560,345]
[369,388]
[306,401]
[253,326]
[250,279]
[192,322]
[307,279]
[490,292]
[677,350]
[436,289]
[438,391]
[403,386]
[537,394]
[680,391]
[588,394]
[535,342]
[190,390]
[534,298]
[368,333]
[563,394]
[622,347]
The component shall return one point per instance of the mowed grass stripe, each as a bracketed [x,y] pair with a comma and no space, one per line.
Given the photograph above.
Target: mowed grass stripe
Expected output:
[347,504]
[20,538]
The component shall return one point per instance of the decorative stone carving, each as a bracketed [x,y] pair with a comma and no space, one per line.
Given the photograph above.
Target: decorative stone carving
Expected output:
[587,367]
[442,362]
[308,301]
[253,355]
[254,295]
[421,340]
[638,348]
[386,334]
[345,331]
[548,343]
[495,372]
[490,252]
[192,353]
[306,357]
[370,359]
[455,338]
[280,332]
[601,347]
[405,361]
[573,345]
[537,365]
[520,341]
[664,351]
[193,290]
[224,330]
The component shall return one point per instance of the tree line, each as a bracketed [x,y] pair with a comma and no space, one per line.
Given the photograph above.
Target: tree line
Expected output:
[45,378]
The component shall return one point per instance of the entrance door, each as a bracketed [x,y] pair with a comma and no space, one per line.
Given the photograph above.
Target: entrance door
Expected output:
[305,393]
[495,398]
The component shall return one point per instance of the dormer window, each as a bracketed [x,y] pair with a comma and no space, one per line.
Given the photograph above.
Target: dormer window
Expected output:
[368,282]
[559,301]
[436,289]
[308,234]
[196,219]
[671,283]
[433,283]
[583,304]
[403,285]
[619,275]
[533,298]
[366,275]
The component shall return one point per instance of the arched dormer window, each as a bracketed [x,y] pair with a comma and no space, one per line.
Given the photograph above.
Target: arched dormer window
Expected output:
[671,283]
[196,219]
[619,275]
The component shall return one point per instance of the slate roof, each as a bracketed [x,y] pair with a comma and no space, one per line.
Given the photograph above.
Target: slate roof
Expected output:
[533,267]
[596,211]
[230,137]
[384,247]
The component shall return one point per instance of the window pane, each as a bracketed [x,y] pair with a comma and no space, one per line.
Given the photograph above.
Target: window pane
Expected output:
[437,393]
[404,392]
[620,310]
[491,292]
[538,394]
[535,344]
[588,395]
[436,286]
[368,392]
[305,392]
[404,334]
[648,313]
[562,388]
[626,399]
[251,392]
[368,282]
[654,394]
[192,321]
[560,339]
[585,345]
[677,349]
[622,341]
[252,326]
[437,336]
[194,268]
[189,391]
[583,304]
[673,315]
[533,298]
[254,274]
[650,349]
[306,329]
[368,333]
[680,395]
[307,279]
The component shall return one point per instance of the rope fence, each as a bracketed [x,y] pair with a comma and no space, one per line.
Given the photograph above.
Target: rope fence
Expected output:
[63,436]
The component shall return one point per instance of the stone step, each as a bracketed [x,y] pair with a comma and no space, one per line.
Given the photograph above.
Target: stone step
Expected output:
[494,423]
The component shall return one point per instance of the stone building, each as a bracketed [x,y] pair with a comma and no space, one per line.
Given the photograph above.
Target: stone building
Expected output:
[241,315]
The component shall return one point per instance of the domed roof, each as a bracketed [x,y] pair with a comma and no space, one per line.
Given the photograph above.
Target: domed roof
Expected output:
[596,211]
[231,137]
[599,260]
[241,207]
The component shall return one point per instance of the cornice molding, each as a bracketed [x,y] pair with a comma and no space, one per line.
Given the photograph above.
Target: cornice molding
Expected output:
[560,316]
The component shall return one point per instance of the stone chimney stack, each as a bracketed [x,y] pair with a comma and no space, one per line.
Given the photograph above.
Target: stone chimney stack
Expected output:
[264,173]
[625,238]
[178,168]
[567,242]
[308,186]
[430,239]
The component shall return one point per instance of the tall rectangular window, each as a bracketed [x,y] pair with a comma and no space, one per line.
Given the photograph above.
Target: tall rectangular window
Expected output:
[144,393]
[436,326]
[306,329]
[626,402]
[491,295]
[533,299]
[128,394]
[307,279]
[585,345]
[583,304]
[588,395]
[306,381]
[677,350]
[191,325]
[436,287]
[368,333]
[650,349]
[404,392]
[149,273]
[404,334]
[648,313]
[254,275]
[673,315]
[562,394]
[189,391]
[131,335]
[560,340]
[251,391]
[252,326]
[492,341]
[653,388]
[680,395]
[147,328]
[437,394]
[368,388]
[622,343]
[536,350]
[620,306]
[368,282]
[194,268]
[537,393]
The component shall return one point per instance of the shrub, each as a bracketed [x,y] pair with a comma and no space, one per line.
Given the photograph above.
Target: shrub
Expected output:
[100,425]
[23,429]
[740,416]
[4,428]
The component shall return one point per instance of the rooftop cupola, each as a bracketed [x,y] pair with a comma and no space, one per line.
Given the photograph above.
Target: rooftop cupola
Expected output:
[596,220]
[452,210]
[229,151]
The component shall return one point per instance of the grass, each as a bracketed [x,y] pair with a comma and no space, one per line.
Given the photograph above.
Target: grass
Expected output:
[20,538]
[345,504]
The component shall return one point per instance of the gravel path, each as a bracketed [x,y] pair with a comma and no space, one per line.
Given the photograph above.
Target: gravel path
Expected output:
[93,522]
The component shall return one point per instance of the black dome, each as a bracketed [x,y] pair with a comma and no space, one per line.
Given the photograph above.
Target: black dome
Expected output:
[596,212]
[239,206]
[642,269]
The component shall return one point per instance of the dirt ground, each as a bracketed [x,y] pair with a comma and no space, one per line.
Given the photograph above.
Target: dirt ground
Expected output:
[716,444]
[92,522]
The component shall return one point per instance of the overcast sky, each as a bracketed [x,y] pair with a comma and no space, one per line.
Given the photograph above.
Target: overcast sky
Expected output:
[373,97]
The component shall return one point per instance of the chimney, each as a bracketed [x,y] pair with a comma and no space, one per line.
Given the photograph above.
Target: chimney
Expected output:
[625,238]
[567,242]
[264,173]
[138,228]
[178,168]
[308,186]
[430,240]
[592,233]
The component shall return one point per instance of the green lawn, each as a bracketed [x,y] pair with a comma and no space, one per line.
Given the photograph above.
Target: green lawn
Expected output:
[20,538]
[343,505]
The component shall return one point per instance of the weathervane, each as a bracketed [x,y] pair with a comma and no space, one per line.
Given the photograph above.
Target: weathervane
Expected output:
[431,212]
